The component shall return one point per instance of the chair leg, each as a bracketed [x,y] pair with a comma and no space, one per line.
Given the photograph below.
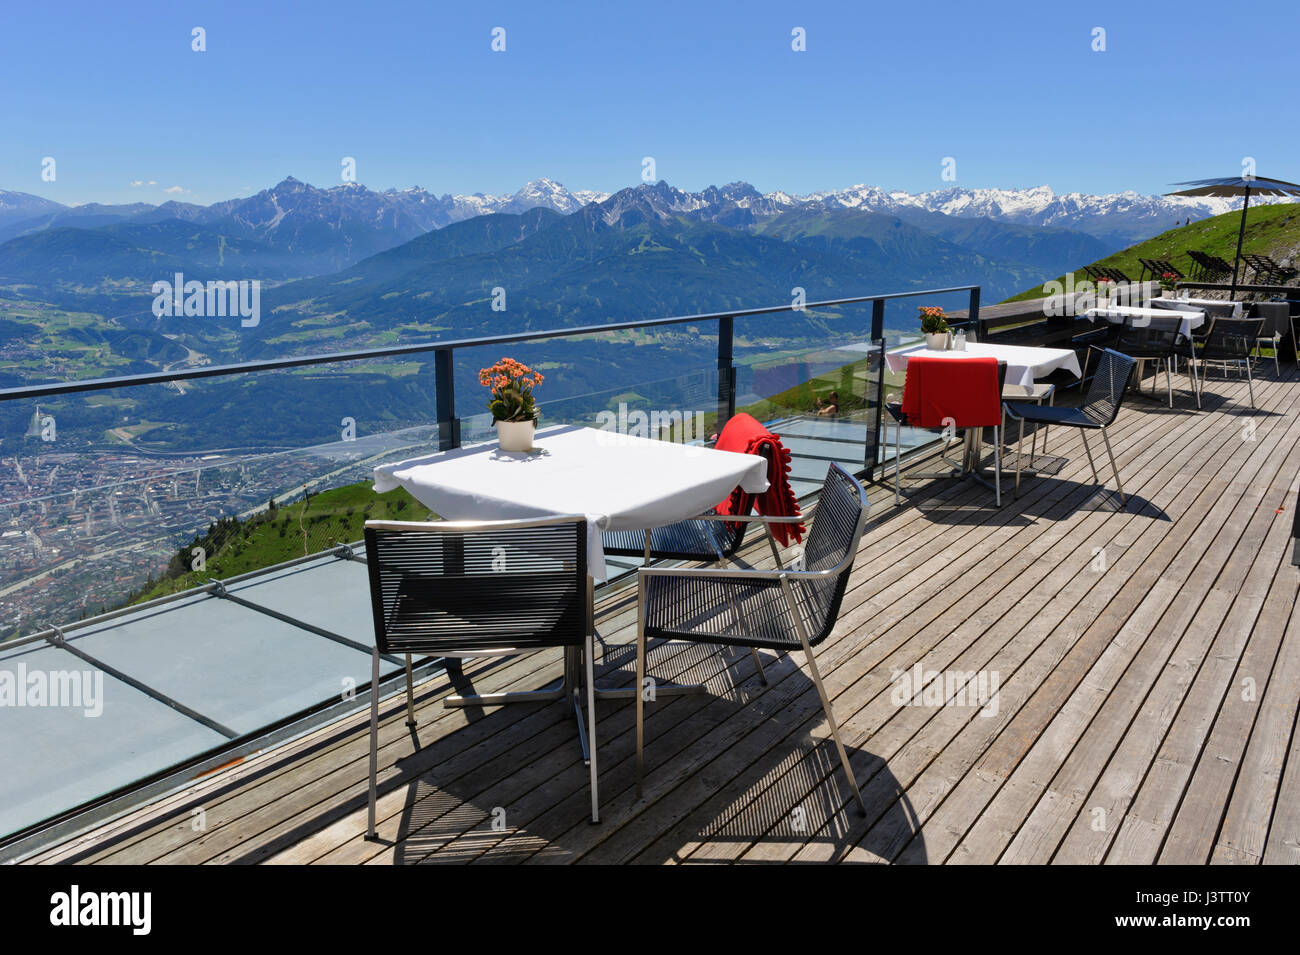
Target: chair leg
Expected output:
[821,692]
[1051,401]
[1250,385]
[410,694]
[1020,453]
[835,729]
[1196,381]
[898,463]
[1088,451]
[374,745]
[997,466]
[1114,466]
[1033,438]
[771,542]
[826,702]
[639,689]
[591,726]
[1169,381]
[758,662]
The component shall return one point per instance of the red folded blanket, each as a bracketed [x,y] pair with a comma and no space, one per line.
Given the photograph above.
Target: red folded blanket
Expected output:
[964,390]
[745,435]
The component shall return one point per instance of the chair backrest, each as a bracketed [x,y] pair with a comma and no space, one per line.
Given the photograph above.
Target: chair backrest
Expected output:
[1218,310]
[832,542]
[1107,389]
[1232,338]
[964,392]
[442,587]
[1153,333]
[1276,318]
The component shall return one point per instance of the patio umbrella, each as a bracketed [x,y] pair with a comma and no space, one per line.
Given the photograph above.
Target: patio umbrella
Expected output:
[1238,186]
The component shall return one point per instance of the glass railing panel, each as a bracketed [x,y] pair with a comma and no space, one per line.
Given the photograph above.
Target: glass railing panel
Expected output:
[72,733]
[116,498]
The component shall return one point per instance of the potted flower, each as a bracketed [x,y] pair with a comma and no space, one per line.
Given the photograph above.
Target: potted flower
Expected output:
[513,409]
[934,325]
[1168,283]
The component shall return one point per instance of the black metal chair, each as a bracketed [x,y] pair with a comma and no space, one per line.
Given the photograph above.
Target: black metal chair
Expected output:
[1097,413]
[1162,341]
[1276,318]
[709,537]
[794,609]
[461,589]
[1231,341]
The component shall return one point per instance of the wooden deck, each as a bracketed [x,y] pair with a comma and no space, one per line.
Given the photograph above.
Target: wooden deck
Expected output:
[1148,667]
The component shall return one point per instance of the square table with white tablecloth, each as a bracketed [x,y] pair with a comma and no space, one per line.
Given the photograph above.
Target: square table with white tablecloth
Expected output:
[1188,319]
[619,482]
[1024,362]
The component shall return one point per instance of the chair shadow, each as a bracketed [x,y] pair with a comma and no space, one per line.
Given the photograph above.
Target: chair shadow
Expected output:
[808,807]
[794,793]
[931,500]
[1185,405]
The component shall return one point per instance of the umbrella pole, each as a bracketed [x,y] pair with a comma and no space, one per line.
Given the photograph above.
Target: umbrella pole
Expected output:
[1241,234]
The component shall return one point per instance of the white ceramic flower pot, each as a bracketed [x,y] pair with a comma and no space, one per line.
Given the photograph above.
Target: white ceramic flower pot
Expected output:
[516,435]
[936,341]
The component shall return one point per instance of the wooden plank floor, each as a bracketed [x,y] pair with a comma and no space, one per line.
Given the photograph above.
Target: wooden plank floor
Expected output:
[1147,667]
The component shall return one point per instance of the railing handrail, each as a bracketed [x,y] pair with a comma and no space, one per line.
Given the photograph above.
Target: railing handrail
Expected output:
[274,364]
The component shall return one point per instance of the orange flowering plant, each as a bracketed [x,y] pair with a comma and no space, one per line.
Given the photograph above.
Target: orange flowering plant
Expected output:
[512,385]
[933,320]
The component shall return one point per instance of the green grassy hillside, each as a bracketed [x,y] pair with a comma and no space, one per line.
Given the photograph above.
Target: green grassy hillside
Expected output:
[1270,230]
[233,546]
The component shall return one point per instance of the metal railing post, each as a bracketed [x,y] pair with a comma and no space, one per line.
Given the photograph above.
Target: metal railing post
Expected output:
[726,372]
[872,451]
[444,367]
[974,316]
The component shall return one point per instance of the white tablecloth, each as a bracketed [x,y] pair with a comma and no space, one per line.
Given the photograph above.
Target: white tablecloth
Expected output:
[1195,304]
[1024,362]
[1116,314]
[619,482]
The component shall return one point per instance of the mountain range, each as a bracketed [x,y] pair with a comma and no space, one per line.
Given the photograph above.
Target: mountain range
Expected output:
[344,223]
[374,258]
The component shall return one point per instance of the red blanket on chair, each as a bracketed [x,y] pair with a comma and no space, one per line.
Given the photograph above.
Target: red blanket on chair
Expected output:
[964,390]
[745,435]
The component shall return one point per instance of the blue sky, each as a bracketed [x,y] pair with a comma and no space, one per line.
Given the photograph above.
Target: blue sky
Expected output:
[1013,92]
